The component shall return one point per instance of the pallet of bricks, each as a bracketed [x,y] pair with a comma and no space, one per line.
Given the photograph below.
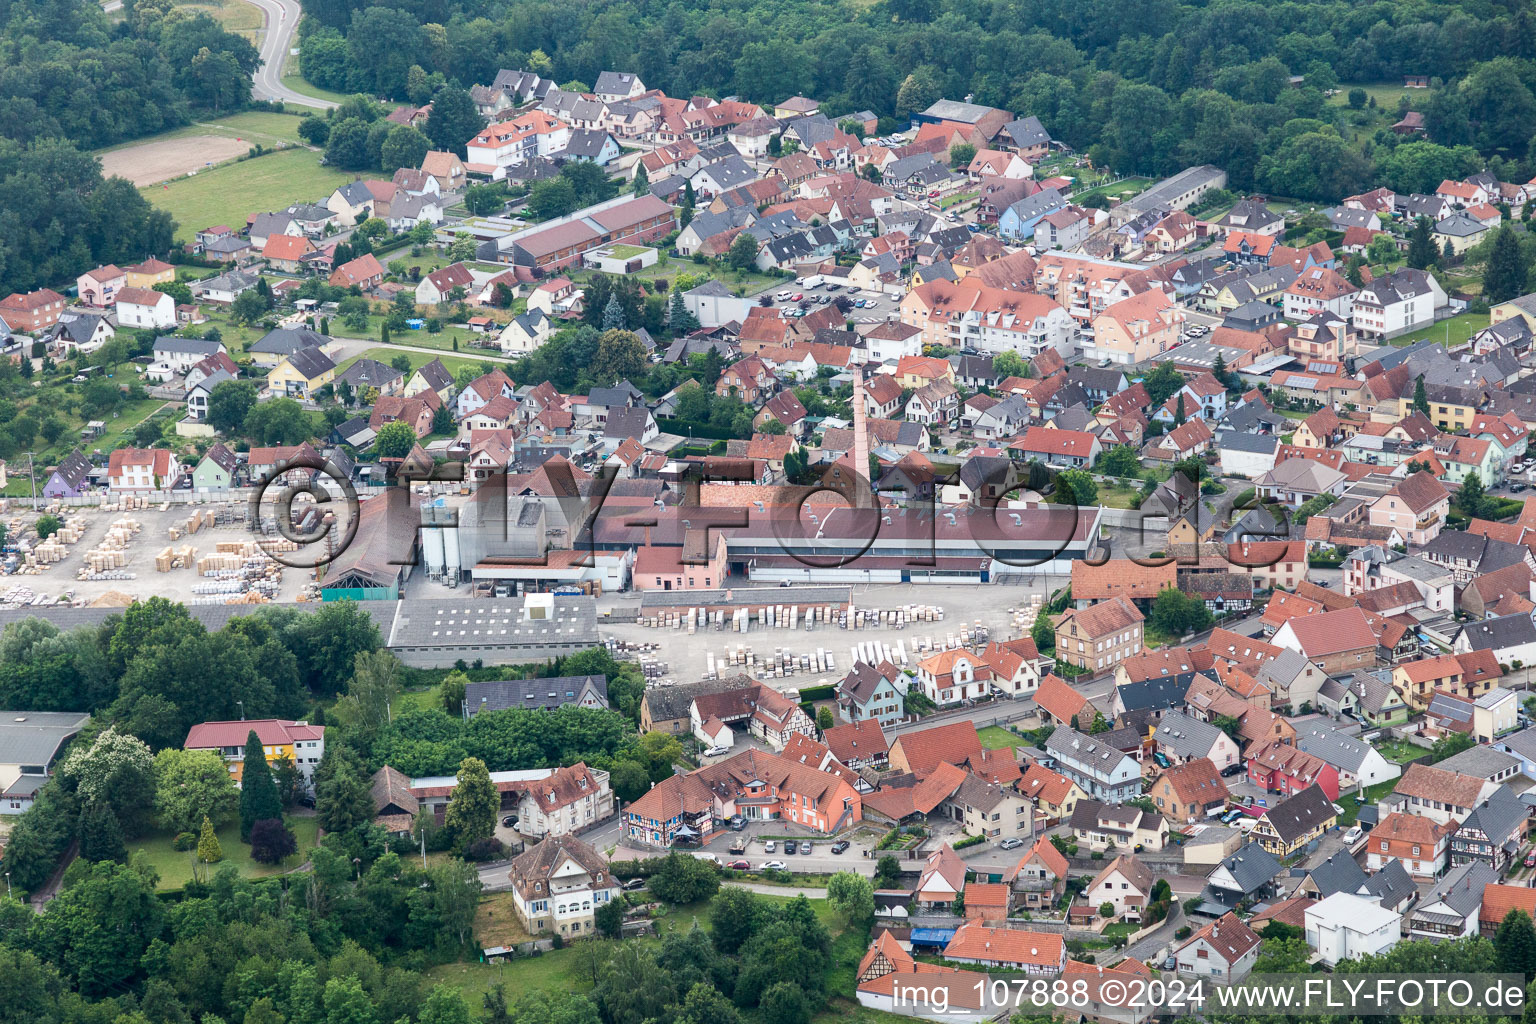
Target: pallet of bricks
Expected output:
[109,557]
[248,562]
[194,522]
[126,503]
[175,558]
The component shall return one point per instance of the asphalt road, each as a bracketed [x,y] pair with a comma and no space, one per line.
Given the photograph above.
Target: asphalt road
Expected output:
[282,18]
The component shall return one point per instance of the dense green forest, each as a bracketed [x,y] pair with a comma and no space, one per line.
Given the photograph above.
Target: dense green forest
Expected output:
[1148,86]
[72,81]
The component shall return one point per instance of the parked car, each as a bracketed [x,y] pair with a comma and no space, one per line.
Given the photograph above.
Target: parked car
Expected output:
[796,297]
[769,846]
[805,849]
[1011,843]
[509,821]
[840,846]
[634,883]
[739,865]
[782,296]
[773,865]
[1530,859]
[1353,835]
[737,823]
[716,751]
[1232,769]
[790,846]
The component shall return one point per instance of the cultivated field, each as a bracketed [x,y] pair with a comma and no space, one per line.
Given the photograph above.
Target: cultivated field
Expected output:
[150,163]
[228,194]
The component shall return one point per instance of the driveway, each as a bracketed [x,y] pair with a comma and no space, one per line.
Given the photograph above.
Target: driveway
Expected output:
[1147,949]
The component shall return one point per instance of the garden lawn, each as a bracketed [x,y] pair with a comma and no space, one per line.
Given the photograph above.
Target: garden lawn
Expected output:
[1131,186]
[445,339]
[230,193]
[1116,496]
[1401,752]
[175,868]
[387,353]
[669,268]
[1456,330]
[995,737]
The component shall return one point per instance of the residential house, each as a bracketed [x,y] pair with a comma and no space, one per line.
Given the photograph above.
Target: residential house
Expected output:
[1295,821]
[301,374]
[99,287]
[1224,950]
[1397,303]
[559,885]
[145,309]
[31,312]
[1346,927]
[1101,826]
[1136,329]
[1125,883]
[1032,953]
[298,742]
[1054,446]
[1100,636]
[1450,909]
[1420,843]
[136,470]
[1415,508]
[215,471]
[1190,792]
[1103,772]
[364,272]
[1494,833]
[873,692]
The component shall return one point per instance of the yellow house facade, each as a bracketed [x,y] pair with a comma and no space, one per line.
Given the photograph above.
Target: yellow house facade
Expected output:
[301,374]
[150,273]
[300,742]
[1523,307]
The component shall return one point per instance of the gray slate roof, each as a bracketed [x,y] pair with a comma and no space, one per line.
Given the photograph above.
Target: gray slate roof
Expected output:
[1252,867]
[547,693]
[1332,746]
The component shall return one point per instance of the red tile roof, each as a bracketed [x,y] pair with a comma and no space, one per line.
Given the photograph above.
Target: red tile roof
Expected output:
[271,732]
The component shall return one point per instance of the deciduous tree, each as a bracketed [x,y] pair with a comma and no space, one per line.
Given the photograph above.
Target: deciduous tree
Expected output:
[472,807]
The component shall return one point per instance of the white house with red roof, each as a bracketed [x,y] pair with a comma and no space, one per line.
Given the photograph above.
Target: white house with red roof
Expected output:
[145,308]
[136,470]
[950,677]
[1224,950]
[1067,448]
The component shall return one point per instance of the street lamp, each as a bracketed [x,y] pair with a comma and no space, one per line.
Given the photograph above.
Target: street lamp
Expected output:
[7,885]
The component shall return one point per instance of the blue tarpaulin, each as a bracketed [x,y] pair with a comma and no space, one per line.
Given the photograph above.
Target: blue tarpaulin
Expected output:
[932,936]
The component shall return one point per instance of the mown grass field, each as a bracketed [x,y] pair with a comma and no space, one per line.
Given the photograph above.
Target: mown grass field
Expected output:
[229,194]
[260,126]
[235,15]
[175,867]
